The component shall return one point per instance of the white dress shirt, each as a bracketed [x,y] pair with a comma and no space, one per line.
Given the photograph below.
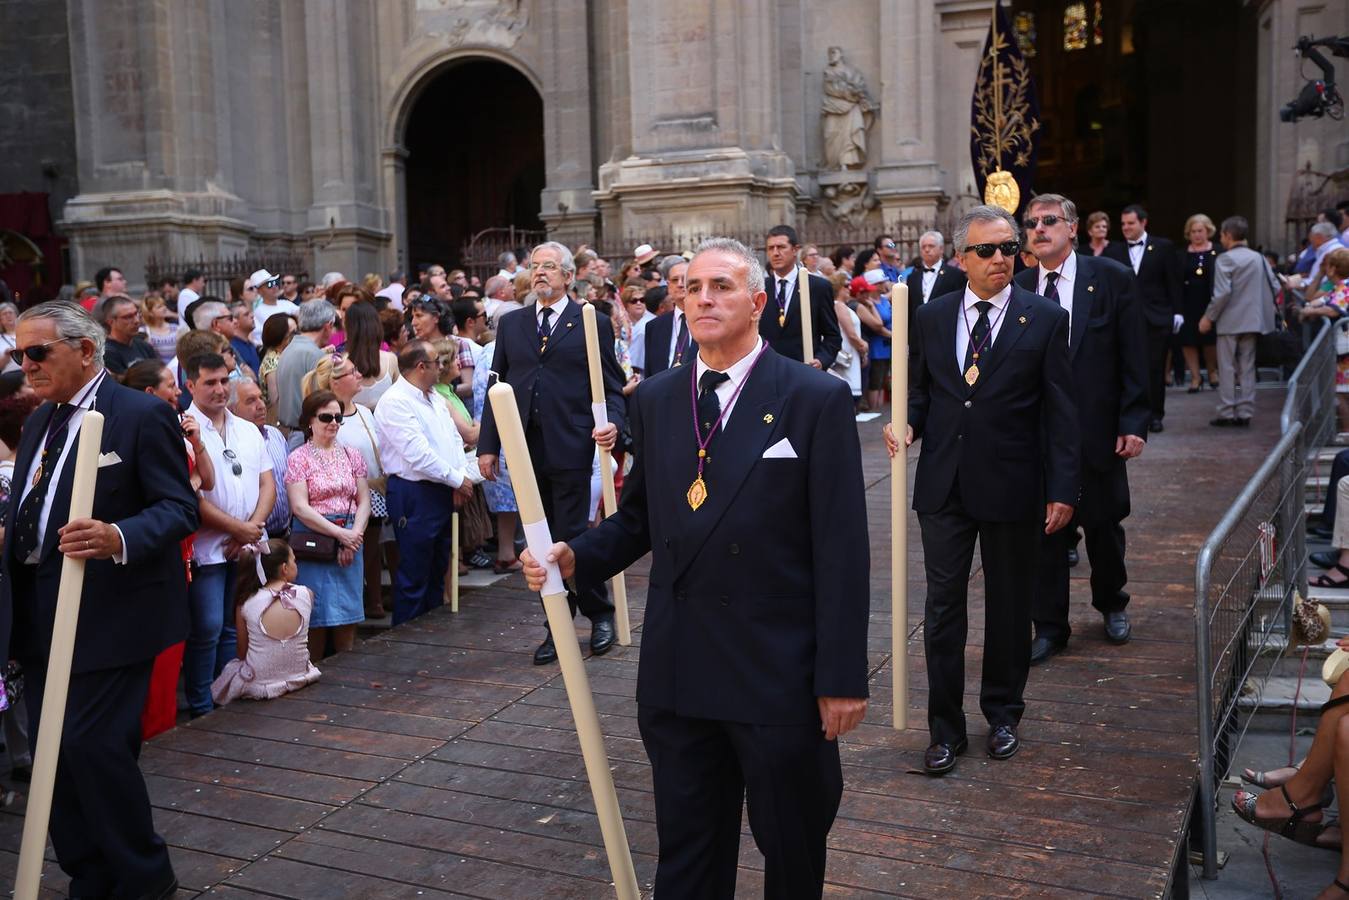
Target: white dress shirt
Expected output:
[1067,278]
[558,306]
[83,402]
[417,438]
[674,338]
[929,279]
[970,315]
[1136,253]
[728,391]
[234,495]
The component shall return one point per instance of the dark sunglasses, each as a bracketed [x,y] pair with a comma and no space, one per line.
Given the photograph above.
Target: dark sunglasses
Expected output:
[986,251]
[329,418]
[1049,220]
[235,466]
[36,353]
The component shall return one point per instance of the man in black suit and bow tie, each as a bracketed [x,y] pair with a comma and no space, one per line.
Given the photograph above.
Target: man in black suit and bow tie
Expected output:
[991,398]
[780,325]
[1108,350]
[541,353]
[134,602]
[754,646]
[1157,267]
[666,339]
[933,277]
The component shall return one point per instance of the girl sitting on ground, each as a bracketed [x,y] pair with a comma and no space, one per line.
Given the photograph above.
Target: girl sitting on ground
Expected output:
[272,617]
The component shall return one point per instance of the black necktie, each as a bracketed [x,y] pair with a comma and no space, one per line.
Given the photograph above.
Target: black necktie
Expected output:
[709,407]
[681,341]
[1052,286]
[544,330]
[782,302]
[26,537]
[978,334]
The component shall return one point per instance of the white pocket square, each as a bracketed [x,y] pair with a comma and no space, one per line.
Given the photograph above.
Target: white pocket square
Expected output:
[108,459]
[781,450]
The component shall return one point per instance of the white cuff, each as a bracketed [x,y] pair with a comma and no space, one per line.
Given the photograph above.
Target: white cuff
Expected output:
[120,558]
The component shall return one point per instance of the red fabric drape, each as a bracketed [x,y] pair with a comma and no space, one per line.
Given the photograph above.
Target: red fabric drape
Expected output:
[29,214]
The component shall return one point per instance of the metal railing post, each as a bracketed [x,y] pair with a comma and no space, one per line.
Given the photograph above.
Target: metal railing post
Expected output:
[1208,825]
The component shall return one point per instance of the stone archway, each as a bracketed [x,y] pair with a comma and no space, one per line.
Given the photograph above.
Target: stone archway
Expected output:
[470,155]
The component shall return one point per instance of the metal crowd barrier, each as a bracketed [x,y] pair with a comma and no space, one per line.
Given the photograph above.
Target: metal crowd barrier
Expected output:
[1246,575]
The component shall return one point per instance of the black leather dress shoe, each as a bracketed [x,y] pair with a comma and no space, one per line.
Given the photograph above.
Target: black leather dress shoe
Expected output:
[1003,742]
[1243,422]
[1117,628]
[1073,558]
[1155,426]
[162,892]
[546,653]
[1042,648]
[1326,560]
[601,636]
[941,758]
[1222,422]
[1316,528]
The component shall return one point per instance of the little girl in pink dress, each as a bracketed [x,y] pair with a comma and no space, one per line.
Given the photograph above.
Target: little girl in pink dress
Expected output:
[272,618]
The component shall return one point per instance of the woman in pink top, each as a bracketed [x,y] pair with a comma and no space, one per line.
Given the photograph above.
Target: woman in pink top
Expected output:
[272,616]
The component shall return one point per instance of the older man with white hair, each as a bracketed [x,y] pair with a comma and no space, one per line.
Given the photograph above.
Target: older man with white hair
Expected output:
[933,277]
[316,320]
[1324,238]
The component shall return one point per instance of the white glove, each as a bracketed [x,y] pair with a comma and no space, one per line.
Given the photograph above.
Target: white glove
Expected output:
[1176,321]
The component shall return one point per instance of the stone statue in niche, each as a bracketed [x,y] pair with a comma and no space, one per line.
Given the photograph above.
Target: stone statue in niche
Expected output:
[847,113]
[848,202]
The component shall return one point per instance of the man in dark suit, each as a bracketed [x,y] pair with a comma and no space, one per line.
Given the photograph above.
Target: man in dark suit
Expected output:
[754,647]
[933,277]
[1108,349]
[991,397]
[666,340]
[134,602]
[541,353]
[780,325]
[1157,267]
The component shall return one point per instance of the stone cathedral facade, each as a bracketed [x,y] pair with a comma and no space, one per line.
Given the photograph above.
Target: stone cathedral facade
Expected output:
[212,127]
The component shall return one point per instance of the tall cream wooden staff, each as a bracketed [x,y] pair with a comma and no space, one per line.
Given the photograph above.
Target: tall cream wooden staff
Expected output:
[600,411]
[899,506]
[803,298]
[539,539]
[454,562]
[58,669]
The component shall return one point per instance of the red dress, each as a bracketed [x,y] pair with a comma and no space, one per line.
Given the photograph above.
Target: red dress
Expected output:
[161,702]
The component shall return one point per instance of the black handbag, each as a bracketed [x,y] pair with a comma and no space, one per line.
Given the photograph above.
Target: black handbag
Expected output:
[1281,347]
[311,546]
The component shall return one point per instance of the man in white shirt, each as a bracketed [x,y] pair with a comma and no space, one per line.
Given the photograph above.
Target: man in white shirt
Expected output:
[499,298]
[194,282]
[233,514]
[423,456]
[270,301]
[510,266]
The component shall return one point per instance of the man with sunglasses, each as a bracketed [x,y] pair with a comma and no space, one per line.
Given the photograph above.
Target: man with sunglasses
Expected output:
[290,289]
[888,251]
[992,399]
[270,302]
[1107,346]
[134,598]
[233,513]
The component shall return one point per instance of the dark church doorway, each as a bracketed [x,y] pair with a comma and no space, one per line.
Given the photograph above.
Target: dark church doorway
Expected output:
[1145,101]
[475,159]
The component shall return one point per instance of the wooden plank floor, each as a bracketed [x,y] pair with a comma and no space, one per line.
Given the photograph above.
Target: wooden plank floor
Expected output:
[435,760]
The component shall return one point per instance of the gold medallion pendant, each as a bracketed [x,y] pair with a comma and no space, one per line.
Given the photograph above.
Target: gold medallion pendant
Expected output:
[697,493]
[1199,271]
[971,375]
[782,319]
[37,475]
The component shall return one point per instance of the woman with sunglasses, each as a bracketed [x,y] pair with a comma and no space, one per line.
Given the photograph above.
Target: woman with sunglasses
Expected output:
[329,495]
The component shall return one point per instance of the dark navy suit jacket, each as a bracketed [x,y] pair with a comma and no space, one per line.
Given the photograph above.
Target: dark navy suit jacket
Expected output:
[552,387]
[1158,278]
[758,600]
[659,333]
[990,435]
[786,340]
[128,613]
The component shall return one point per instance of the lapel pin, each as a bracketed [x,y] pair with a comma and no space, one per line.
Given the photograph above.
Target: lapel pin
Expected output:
[1022,320]
[1090,288]
[569,324]
[1149,248]
[768,418]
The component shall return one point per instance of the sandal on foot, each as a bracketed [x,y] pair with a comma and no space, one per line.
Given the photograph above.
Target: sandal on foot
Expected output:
[1293,826]
[1324,580]
[1262,779]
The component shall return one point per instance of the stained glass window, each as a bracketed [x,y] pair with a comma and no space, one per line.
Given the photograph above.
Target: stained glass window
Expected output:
[1075,26]
[1023,24]
[1097,29]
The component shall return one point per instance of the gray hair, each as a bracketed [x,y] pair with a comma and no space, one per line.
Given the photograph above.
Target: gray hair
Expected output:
[506,259]
[1324,229]
[935,235]
[1236,227]
[983,214]
[103,312]
[564,255]
[494,284]
[236,383]
[316,314]
[332,278]
[667,265]
[1069,207]
[206,314]
[732,247]
[72,324]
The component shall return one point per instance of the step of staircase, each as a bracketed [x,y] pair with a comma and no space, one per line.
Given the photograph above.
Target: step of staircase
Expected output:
[1272,707]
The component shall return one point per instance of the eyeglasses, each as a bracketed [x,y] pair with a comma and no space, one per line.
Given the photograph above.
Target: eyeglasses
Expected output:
[889,245]
[235,466]
[329,418]
[548,266]
[1049,221]
[986,251]
[127,316]
[36,353]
